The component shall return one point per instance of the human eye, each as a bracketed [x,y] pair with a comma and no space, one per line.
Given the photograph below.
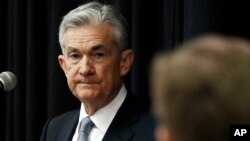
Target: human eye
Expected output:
[98,56]
[73,56]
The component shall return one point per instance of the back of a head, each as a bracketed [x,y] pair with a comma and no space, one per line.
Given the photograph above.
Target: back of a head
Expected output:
[202,87]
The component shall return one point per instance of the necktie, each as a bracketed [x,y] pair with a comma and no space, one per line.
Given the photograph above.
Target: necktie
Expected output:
[85,127]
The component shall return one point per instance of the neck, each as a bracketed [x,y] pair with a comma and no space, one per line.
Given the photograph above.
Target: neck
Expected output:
[92,106]
[90,109]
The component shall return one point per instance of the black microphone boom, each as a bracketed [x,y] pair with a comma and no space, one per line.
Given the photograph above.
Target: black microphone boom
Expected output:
[7,81]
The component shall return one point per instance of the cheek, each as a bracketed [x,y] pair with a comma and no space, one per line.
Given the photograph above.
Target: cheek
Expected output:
[110,70]
[72,70]
[71,74]
[70,81]
[102,73]
[109,74]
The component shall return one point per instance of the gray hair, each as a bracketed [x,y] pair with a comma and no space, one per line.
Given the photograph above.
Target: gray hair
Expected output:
[96,13]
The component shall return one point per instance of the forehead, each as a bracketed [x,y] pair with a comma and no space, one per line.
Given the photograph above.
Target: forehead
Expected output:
[88,35]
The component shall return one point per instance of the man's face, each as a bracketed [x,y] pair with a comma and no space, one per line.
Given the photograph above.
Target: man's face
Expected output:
[92,63]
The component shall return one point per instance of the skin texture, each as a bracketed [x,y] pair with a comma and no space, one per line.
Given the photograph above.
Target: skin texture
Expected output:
[93,65]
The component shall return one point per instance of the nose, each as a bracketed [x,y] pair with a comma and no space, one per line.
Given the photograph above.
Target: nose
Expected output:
[86,67]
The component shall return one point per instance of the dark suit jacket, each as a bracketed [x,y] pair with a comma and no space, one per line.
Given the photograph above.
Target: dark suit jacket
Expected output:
[131,123]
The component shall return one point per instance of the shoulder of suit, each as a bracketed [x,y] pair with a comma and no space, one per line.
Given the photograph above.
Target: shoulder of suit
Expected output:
[66,115]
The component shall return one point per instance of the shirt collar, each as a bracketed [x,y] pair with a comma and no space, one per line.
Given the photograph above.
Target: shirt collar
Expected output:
[103,117]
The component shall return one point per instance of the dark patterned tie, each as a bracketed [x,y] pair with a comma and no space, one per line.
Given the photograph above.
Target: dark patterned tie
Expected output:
[85,128]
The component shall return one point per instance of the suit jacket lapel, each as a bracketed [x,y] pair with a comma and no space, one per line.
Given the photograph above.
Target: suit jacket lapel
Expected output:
[120,126]
[69,127]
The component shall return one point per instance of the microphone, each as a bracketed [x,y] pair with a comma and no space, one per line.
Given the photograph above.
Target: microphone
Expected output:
[7,81]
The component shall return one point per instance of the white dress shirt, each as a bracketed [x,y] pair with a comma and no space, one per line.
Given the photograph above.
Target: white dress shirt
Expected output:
[103,117]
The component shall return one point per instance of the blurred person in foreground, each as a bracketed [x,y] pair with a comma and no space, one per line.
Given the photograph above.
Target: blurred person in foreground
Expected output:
[95,58]
[201,88]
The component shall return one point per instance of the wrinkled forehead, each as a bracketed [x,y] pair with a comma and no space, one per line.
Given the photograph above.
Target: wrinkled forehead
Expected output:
[89,33]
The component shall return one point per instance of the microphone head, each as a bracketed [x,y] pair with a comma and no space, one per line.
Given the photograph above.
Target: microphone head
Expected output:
[8,80]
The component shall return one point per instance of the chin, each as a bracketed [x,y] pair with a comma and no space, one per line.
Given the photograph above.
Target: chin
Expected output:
[87,94]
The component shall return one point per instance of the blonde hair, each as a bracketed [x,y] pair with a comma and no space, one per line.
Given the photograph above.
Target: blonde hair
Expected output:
[202,87]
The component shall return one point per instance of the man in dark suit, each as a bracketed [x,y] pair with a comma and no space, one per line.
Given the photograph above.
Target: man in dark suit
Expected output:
[95,57]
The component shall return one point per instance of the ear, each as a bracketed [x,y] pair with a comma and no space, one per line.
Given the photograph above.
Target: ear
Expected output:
[61,60]
[162,134]
[126,61]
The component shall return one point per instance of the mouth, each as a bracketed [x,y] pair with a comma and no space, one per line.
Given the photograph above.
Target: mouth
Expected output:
[86,86]
[88,81]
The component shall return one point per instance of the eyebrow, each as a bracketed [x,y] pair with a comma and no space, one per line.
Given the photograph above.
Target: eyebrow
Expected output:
[72,49]
[96,47]
[93,48]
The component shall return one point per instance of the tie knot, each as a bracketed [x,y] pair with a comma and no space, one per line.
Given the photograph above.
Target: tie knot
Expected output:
[86,125]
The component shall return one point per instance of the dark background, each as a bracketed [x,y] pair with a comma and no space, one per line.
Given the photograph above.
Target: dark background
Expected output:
[29,48]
